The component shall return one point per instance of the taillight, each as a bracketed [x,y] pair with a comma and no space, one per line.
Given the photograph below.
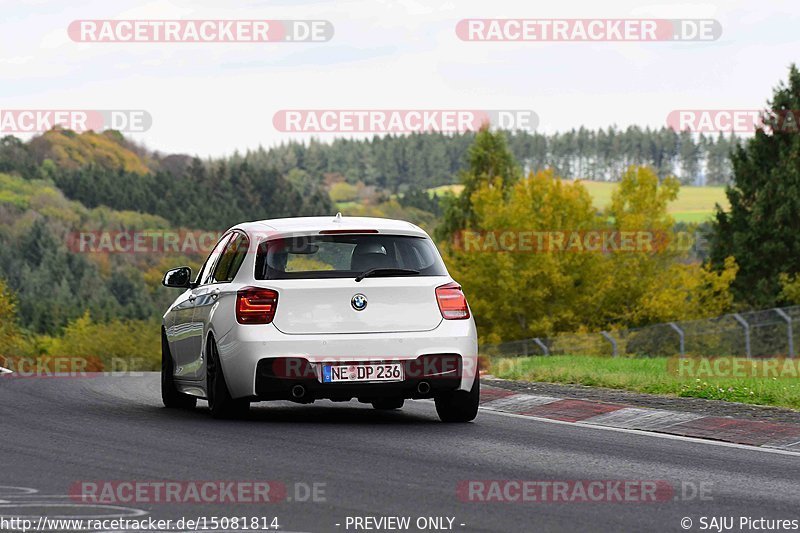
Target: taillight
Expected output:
[452,302]
[346,231]
[255,305]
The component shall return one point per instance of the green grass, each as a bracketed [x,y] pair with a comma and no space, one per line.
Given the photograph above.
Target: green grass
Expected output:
[442,189]
[344,206]
[694,217]
[694,204]
[647,375]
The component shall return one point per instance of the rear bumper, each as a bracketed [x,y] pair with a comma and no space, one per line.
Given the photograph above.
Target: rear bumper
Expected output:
[299,380]
[244,347]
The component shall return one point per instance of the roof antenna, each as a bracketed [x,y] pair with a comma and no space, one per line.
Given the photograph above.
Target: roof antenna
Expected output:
[338,217]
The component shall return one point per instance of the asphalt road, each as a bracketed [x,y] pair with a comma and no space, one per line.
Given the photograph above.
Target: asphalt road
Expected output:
[58,431]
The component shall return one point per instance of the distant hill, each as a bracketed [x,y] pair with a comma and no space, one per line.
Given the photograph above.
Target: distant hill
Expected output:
[72,151]
[106,169]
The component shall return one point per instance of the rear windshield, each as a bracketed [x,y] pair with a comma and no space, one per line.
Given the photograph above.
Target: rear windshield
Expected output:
[343,256]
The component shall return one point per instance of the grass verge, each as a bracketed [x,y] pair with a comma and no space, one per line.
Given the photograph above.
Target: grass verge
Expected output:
[648,375]
[694,204]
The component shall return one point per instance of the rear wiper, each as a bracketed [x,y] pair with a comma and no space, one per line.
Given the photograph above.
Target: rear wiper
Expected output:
[387,271]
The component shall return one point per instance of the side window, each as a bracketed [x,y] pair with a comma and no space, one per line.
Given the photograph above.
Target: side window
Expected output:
[231,259]
[205,273]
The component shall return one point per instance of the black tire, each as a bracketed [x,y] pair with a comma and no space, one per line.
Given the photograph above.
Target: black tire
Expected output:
[459,406]
[220,403]
[169,392]
[388,404]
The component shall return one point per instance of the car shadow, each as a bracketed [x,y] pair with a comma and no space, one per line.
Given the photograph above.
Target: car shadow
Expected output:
[316,413]
[330,413]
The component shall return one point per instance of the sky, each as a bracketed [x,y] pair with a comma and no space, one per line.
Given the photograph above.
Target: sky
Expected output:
[211,99]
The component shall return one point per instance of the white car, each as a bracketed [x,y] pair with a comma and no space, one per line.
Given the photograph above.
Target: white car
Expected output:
[320,308]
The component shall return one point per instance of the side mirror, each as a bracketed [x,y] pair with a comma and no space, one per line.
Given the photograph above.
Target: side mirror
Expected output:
[178,278]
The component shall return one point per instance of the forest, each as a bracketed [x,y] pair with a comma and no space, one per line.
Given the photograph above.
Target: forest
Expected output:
[61,183]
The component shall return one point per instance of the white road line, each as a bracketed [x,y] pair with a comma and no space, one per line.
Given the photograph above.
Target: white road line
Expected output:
[790,445]
[519,401]
[649,434]
[125,512]
[23,491]
[640,418]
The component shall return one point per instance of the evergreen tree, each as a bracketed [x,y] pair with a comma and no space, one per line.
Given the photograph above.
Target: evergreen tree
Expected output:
[490,162]
[762,229]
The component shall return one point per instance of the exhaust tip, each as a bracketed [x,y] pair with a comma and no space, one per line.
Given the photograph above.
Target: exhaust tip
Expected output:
[424,387]
[298,391]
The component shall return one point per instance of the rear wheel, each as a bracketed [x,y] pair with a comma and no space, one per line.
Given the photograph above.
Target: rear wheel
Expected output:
[388,404]
[170,395]
[220,402]
[459,406]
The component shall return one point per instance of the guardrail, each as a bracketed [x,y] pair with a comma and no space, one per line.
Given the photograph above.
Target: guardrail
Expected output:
[764,333]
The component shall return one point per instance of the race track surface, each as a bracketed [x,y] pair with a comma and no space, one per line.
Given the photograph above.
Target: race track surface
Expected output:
[58,432]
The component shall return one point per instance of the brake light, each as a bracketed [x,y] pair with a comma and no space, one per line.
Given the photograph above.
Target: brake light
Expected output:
[346,231]
[255,305]
[452,302]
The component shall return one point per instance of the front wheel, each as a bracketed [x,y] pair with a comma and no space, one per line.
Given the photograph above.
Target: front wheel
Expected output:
[170,395]
[220,402]
[459,406]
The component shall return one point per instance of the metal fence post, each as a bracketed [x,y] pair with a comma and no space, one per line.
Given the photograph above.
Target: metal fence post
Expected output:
[542,345]
[584,343]
[675,326]
[746,327]
[789,337]
[610,339]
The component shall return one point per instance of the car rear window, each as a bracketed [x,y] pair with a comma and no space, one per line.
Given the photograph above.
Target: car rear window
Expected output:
[347,255]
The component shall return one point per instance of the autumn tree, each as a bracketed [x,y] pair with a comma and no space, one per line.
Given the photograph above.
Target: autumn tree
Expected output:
[538,292]
[662,285]
[10,337]
[519,294]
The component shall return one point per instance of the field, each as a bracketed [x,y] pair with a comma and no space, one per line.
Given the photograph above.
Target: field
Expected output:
[648,375]
[694,204]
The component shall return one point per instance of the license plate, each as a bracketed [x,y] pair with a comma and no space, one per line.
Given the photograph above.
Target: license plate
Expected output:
[365,372]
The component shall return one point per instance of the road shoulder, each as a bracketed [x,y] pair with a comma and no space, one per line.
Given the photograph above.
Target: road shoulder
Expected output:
[692,417]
